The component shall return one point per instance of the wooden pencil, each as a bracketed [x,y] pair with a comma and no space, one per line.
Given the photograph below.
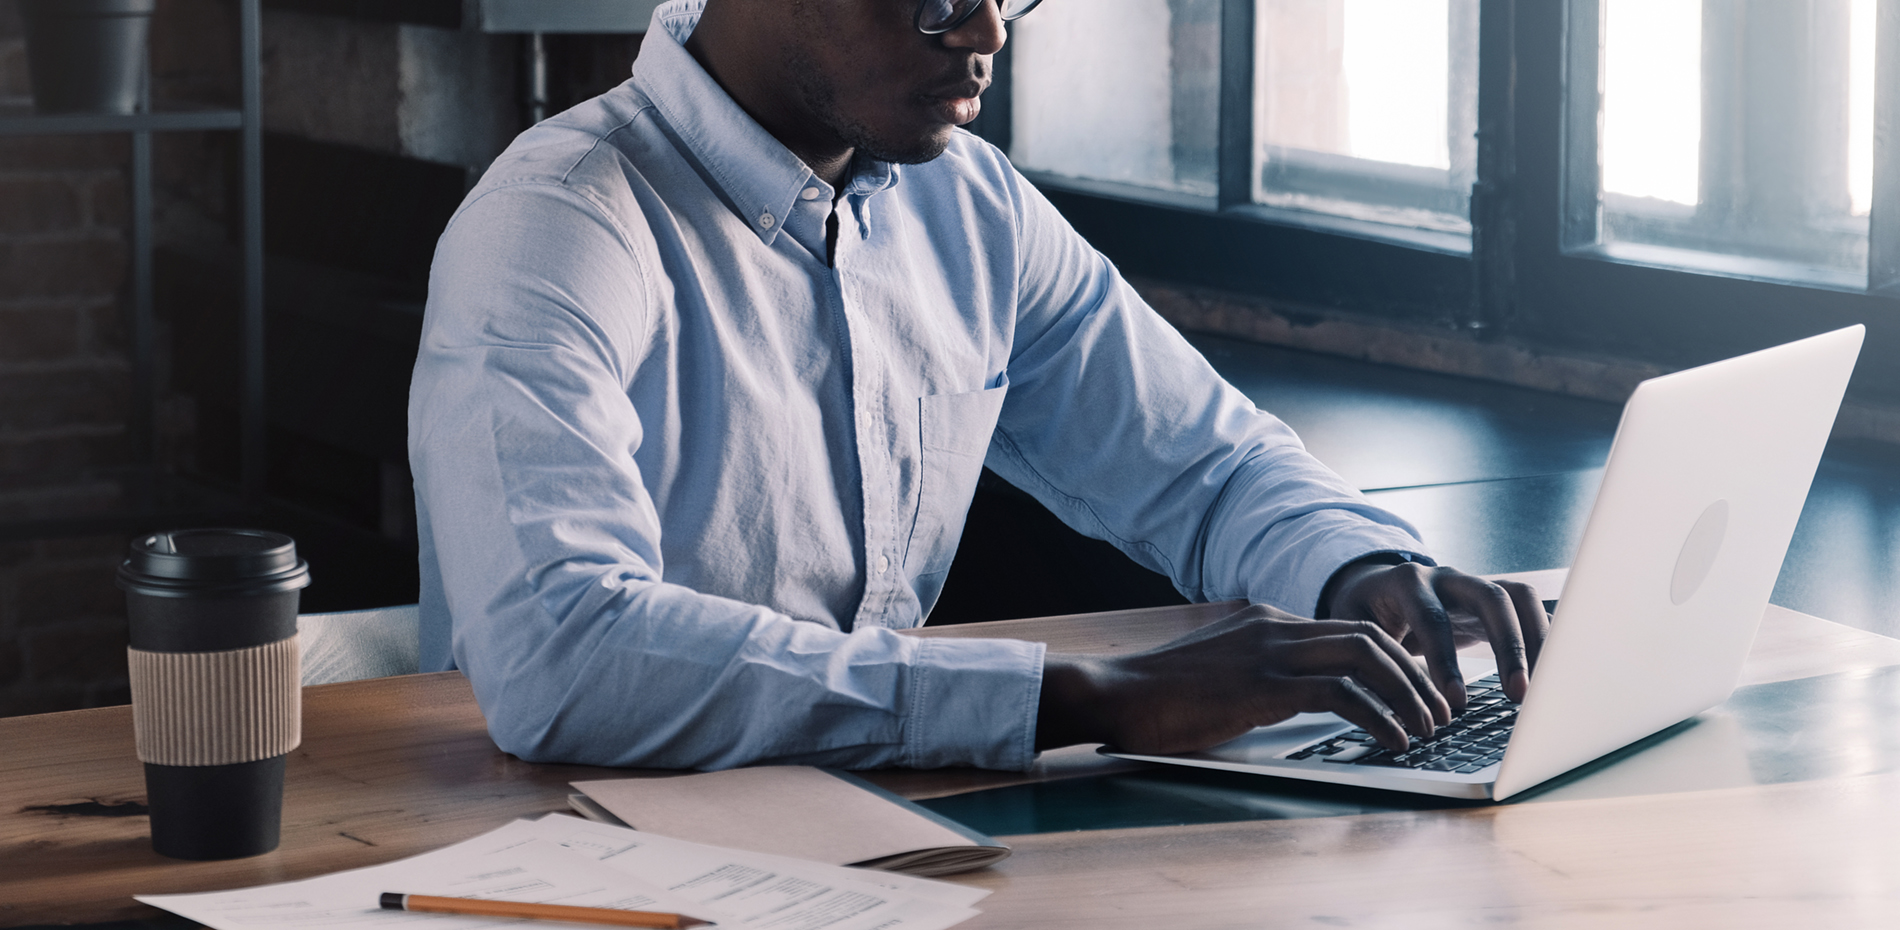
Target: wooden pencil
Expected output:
[479,907]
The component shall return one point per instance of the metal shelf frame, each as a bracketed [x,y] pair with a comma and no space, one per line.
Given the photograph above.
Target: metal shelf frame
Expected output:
[19,122]
[247,121]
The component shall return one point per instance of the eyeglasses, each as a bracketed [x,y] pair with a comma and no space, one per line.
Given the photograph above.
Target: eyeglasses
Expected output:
[935,17]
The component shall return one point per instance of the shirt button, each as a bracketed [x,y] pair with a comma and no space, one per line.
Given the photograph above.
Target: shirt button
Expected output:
[766,220]
[883,564]
[811,193]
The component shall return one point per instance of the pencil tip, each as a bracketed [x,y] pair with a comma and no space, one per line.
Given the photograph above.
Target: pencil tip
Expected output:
[694,922]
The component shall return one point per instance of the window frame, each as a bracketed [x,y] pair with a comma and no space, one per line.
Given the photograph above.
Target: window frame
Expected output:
[1525,276]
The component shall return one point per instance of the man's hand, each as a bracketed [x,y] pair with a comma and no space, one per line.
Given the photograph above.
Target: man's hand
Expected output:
[1433,611]
[1256,667]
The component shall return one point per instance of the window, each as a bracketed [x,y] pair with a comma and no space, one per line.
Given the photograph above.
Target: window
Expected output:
[1367,109]
[1096,98]
[1733,136]
[1363,110]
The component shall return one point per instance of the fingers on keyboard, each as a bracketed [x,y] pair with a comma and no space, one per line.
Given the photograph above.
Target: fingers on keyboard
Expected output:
[1473,740]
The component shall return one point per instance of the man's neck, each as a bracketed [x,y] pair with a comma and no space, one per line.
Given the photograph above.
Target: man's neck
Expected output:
[831,170]
[729,50]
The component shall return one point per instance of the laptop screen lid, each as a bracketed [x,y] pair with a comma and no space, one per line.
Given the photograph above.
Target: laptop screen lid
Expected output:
[1705,482]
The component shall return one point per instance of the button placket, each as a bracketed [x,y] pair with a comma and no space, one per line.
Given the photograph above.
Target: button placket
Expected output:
[876,469]
[873,453]
[870,609]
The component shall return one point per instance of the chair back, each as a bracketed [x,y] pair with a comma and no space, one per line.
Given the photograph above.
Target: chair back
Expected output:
[348,645]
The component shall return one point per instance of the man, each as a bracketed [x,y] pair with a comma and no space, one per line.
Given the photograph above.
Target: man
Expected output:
[712,363]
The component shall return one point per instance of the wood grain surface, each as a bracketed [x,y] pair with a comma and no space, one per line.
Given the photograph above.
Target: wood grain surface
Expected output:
[396,766]
[388,768]
[1819,854]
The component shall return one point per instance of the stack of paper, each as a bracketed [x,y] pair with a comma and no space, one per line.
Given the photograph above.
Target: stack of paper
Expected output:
[793,810]
[564,860]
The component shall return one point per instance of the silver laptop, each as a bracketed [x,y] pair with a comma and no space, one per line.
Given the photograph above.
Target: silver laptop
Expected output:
[1705,482]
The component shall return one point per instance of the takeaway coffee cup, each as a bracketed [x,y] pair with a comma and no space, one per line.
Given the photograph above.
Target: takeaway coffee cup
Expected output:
[216,697]
[87,56]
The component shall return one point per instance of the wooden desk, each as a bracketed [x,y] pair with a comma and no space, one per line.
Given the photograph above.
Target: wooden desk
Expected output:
[396,766]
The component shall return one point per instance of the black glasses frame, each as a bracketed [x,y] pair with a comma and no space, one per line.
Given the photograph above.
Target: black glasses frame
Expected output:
[963,17]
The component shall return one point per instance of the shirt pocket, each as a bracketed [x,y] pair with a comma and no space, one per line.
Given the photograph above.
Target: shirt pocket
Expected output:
[955,437]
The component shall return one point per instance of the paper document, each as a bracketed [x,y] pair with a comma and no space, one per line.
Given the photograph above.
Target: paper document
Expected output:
[795,810]
[564,860]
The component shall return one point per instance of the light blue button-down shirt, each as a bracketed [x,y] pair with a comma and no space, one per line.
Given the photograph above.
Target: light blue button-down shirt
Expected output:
[679,479]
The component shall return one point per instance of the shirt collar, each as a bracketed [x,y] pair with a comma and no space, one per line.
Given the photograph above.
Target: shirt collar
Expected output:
[760,177]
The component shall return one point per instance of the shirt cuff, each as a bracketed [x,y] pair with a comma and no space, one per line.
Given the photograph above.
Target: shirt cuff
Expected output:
[1387,557]
[1322,545]
[973,702]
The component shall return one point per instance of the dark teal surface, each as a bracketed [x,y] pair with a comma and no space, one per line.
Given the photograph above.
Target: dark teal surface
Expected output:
[1842,562]
[1502,525]
[1383,427]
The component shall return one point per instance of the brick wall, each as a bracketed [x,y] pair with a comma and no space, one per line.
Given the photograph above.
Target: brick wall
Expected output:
[64,396]
[62,626]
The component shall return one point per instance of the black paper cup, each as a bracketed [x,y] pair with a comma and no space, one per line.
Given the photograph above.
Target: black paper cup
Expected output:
[216,702]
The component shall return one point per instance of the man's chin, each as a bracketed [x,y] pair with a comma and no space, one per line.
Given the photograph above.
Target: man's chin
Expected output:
[911,151]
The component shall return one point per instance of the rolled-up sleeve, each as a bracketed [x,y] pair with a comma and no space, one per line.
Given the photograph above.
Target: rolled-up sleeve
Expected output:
[543,573]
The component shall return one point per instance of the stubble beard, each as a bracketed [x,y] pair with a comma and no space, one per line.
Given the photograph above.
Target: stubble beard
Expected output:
[821,100]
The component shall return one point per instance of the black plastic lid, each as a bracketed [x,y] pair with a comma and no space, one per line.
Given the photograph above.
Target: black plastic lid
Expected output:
[213,561]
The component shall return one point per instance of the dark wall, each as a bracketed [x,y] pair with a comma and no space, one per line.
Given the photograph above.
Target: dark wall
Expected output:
[65,403]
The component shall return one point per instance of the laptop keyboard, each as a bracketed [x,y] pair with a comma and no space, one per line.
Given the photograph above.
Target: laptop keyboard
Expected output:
[1473,739]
